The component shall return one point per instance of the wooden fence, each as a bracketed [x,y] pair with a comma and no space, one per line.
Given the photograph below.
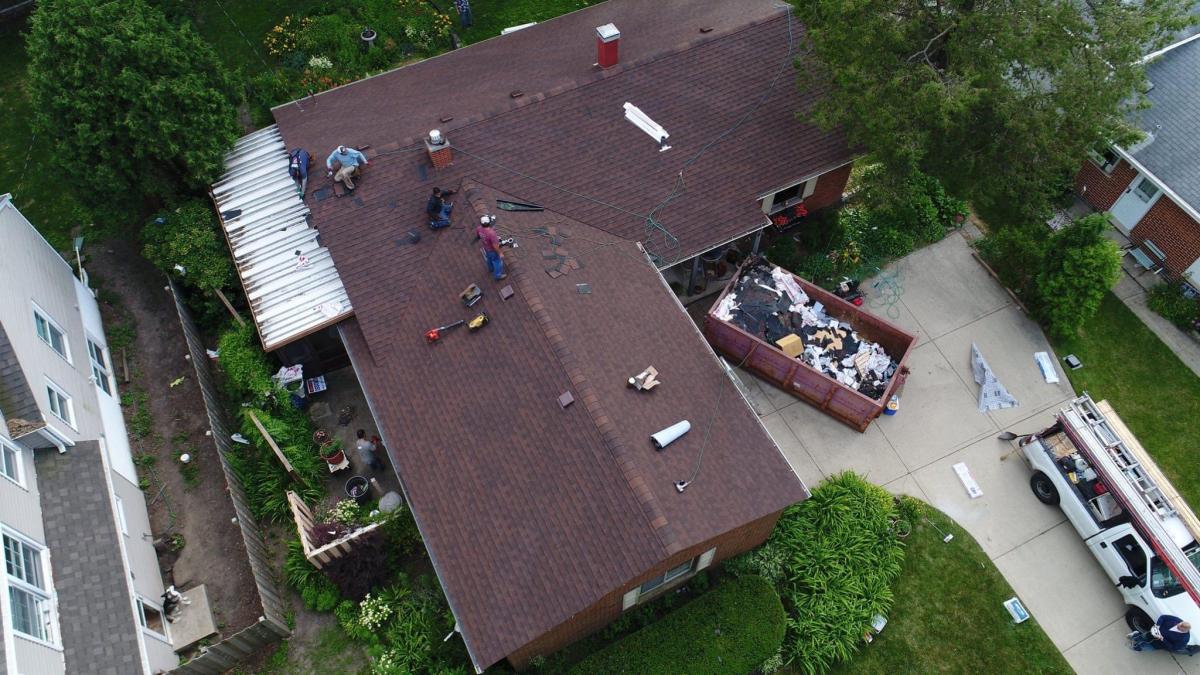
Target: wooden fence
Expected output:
[271,626]
[319,556]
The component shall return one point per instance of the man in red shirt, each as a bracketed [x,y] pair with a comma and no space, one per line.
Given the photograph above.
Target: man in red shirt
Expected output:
[491,246]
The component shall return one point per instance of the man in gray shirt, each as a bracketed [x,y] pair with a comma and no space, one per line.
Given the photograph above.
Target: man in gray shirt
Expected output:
[366,451]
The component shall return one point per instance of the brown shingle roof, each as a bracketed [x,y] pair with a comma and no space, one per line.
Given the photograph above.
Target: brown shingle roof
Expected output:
[532,512]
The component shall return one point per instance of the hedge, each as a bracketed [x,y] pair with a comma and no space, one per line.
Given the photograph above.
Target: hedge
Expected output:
[732,629]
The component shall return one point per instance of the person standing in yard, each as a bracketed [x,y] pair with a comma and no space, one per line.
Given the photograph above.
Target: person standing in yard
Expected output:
[491,246]
[366,451]
[464,12]
[351,162]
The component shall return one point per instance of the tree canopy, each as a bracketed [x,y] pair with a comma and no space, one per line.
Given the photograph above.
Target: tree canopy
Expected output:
[130,107]
[998,100]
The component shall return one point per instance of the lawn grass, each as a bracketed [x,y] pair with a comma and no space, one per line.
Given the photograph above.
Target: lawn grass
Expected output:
[948,615]
[492,16]
[236,29]
[36,189]
[1156,395]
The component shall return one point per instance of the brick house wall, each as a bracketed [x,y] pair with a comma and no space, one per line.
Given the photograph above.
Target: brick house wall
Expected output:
[829,190]
[1101,190]
[608,608]
[1173,231]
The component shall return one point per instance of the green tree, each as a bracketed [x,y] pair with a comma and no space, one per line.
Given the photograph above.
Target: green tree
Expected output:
[998,100]
[130,107]
[1080,266]
[188,237]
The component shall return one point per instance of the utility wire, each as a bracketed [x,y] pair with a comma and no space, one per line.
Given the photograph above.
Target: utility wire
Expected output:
[712,419]
[238,28]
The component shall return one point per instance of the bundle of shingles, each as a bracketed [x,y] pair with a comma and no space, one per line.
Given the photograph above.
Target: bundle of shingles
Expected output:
[768,303]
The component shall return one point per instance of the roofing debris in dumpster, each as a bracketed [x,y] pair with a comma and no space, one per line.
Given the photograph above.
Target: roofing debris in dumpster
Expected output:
[768,303]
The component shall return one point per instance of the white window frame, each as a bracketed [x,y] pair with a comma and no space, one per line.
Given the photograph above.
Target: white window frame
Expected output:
[142,603]
[100,371]
[43,595]
[39,313]
[1141,194]
[52,387]
[810,186]
[120,508]
[18,468]
[636,595]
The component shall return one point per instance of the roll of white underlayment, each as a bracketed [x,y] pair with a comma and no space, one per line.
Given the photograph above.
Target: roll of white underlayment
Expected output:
[669,435]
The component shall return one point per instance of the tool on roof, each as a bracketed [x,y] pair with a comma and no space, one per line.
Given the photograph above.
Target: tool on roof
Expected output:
[645,380]
[507,205]
[471,295]
[478,322]
[435,334]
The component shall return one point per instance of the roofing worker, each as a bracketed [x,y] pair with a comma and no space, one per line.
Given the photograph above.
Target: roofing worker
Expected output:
[351,162]
[1170,633]
[298,168]
[438,209]
[491,246]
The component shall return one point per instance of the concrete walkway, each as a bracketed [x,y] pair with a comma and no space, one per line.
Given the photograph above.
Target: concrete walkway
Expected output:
[1132,287]
[950,301]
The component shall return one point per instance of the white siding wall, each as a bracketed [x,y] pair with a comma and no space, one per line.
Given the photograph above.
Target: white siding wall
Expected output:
[32,272]
[37,659]
[120,455]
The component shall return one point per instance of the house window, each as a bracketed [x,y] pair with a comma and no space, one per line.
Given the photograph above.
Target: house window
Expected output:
[10,461]
[60,403]
[100,367]
[1145,190]
[51,333]
[650,588]
[789,196]
[1105,158]
[150,616]
[121,515]
[28,595]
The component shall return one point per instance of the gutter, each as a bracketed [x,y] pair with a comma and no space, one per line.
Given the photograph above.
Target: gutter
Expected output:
[1154,55]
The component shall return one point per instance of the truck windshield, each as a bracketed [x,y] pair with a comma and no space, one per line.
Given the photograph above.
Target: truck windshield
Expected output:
[1163,583]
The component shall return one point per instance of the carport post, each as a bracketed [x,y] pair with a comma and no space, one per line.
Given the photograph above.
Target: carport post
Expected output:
[757,242]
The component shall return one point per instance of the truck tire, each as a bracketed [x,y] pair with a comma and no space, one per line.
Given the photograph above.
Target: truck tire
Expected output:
[1138,620]
[1043,488]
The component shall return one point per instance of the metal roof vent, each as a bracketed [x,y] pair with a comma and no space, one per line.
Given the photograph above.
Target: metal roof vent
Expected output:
[642,121]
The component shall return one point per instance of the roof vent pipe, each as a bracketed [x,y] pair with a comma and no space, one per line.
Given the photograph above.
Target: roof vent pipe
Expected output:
[608,42]
[439,150]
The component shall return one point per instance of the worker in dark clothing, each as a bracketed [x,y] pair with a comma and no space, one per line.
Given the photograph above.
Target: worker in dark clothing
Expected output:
[1169,632]
[298,168]
[438,208]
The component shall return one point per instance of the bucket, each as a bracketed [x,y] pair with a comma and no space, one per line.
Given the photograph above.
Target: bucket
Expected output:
[358,489]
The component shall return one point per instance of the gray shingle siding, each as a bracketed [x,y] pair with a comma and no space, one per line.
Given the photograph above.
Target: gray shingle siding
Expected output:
[99,631]
[17,403]
[1174,119]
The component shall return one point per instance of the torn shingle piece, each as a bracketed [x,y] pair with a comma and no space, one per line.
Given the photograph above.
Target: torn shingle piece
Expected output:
[506,292]
[572,263]
[566,399]
[553,272]
[549,254]
[323,194]
[556,240]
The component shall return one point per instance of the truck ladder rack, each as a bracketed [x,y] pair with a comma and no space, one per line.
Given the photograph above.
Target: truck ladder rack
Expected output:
[1134,481]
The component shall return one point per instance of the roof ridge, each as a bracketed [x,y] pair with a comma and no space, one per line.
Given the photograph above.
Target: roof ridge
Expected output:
[655,516]
[524,99]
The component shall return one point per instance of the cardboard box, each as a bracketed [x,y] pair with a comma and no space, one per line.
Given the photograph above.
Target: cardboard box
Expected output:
[791,344]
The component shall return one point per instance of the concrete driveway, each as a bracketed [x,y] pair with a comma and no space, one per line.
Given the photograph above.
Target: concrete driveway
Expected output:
[948,299]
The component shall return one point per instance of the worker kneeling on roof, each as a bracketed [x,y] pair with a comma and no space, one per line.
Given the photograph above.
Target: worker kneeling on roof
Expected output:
[350,162]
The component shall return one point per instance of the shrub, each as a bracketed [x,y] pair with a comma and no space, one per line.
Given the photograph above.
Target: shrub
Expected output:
[1170,302]
[731,629]
[1079,268]
[188,236]
[1016,254]
[841,559]
[784,253]
[247,370]
[318,592]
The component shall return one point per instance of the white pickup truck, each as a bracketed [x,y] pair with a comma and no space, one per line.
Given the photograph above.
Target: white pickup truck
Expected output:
[1128,514]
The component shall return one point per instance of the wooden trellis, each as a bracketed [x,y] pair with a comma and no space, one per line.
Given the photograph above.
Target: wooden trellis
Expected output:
[319,557]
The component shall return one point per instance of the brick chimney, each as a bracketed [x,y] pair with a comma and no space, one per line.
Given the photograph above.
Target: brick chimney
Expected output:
[439,150]
[608,42]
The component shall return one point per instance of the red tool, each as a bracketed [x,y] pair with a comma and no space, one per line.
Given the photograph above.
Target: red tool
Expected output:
[435,334]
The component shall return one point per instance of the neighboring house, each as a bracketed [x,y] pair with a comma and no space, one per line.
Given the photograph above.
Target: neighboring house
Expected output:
[525,458]
[1151,191]
[82,587]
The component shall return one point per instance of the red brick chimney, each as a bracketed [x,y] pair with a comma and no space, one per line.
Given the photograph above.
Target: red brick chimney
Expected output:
[439,149]
[608,42]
